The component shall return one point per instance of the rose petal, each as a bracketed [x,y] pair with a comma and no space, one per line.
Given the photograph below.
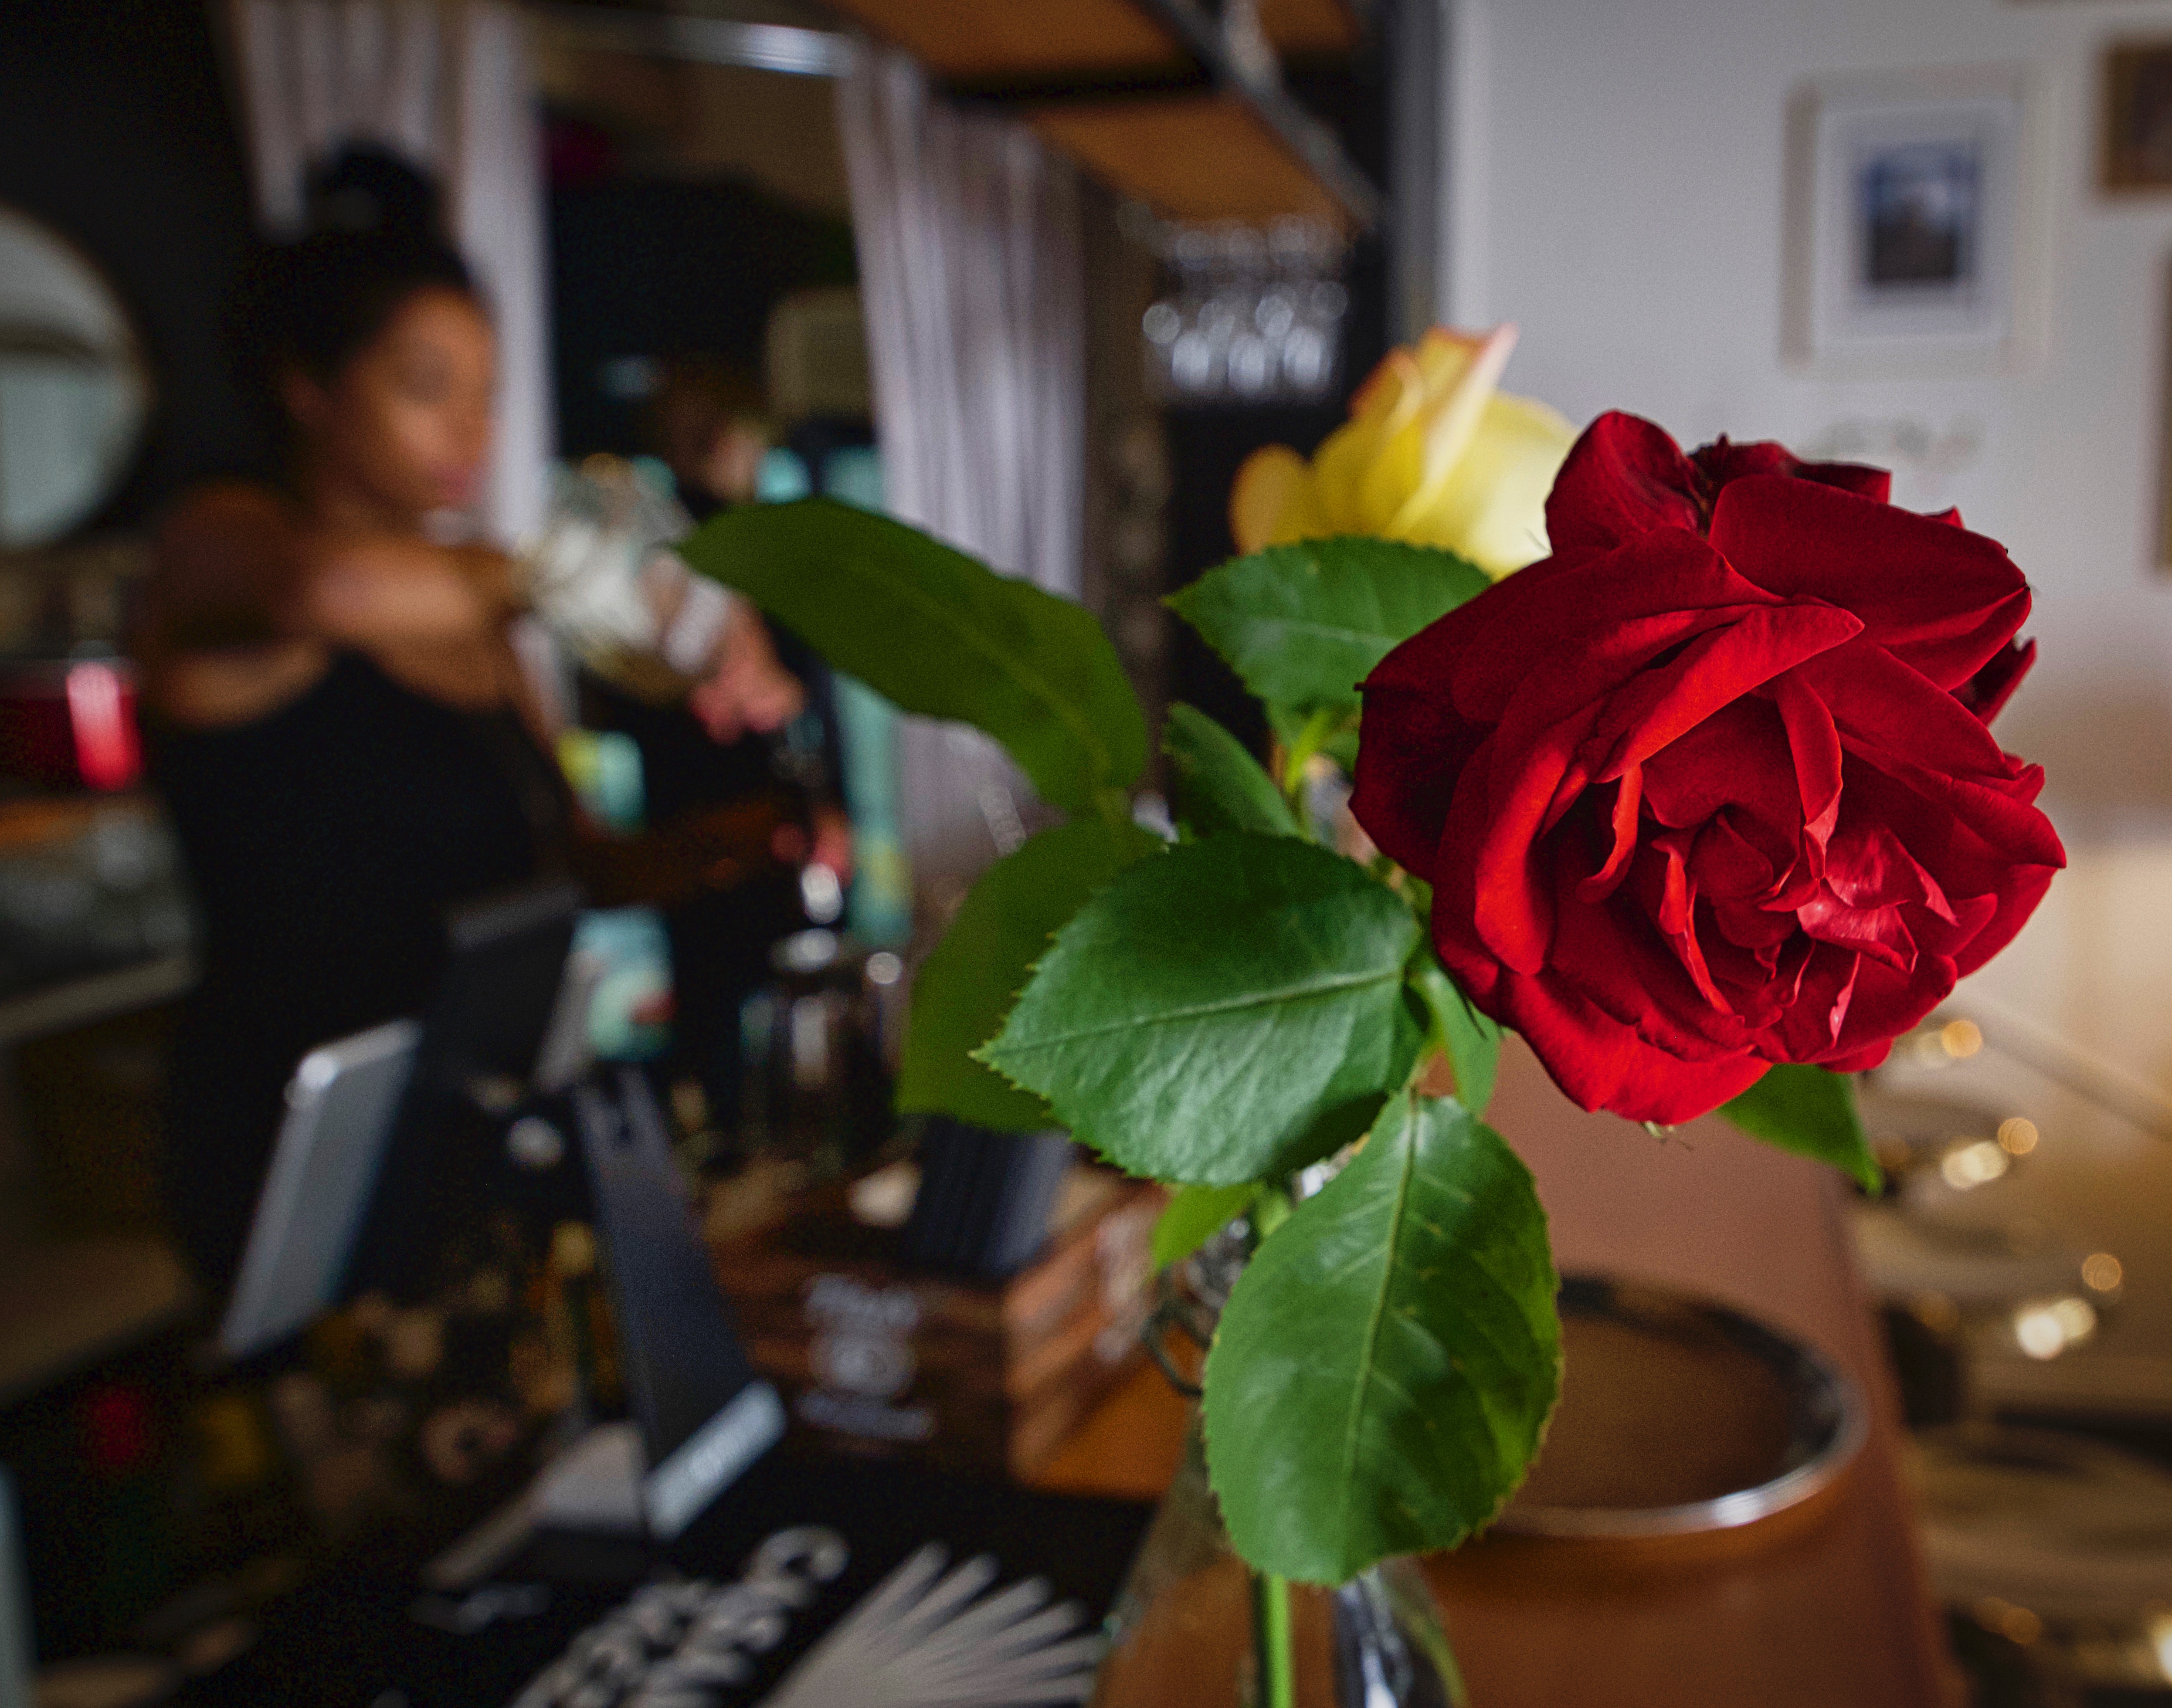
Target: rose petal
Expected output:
[1727,865]
[2016,902]
[1589,622]
[1271,501]
[1814,744]
[1600,1063]
[1722,461]
[1884,709]
[1628,797]
[1412,751]
[1986,693]
[1615,955]
[1622,479]
[1879,932]
[1941,600]
[1738,757]
[1514,909]
[1714,670]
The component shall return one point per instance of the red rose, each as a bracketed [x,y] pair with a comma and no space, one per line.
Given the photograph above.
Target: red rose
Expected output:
[1711,787]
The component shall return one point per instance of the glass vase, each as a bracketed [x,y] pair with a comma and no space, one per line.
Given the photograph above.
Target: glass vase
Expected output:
[1193,1627]
[1183,1632]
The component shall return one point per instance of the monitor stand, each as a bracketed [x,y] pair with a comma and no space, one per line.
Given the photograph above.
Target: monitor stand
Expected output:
[700,1416]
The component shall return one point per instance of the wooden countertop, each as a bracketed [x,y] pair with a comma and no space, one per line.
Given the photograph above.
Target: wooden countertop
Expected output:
[1825,1604]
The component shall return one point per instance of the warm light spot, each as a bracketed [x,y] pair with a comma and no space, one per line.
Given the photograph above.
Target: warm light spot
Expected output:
[2078,1319]
[2102,1272]
[2017,1137]
[2047,1328]
[2160,1639]
[1960,1038]
[1972,1165]
[2037,1332]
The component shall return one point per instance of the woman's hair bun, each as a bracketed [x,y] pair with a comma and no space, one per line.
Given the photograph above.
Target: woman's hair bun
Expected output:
[365,187]
[308,306]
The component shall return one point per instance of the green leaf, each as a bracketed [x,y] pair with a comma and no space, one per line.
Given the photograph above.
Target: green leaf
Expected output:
[963,989]
[1195,1215]
[1386,1364]
[1472,1039]
[1218,785]
[1230,1011]
[1811,1111]
[938,633]
[1303,625]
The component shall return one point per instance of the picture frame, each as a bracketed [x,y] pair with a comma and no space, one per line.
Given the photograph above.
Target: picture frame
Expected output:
[2164,518]
[2134,134]
[1916,223]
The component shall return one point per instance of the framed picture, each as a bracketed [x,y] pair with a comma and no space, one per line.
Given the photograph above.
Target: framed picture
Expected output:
[1916,223]
[2135,152]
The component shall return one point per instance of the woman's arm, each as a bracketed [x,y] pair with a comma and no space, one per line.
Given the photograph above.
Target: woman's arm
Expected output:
[381,590]
[232,567]
[244,604]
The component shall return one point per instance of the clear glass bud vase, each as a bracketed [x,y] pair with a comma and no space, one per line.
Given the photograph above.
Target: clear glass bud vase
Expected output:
[1193,1627]
[1183,1633]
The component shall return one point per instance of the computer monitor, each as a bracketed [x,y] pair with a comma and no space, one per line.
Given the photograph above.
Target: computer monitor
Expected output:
[392,1138]
[369,1161]
[341,1108]
[703,1417]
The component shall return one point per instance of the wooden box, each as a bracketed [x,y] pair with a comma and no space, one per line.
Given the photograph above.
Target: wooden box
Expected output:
[875,1358]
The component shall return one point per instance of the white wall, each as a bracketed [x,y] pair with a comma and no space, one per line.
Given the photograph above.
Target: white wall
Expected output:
[1616,185]
[1617,171]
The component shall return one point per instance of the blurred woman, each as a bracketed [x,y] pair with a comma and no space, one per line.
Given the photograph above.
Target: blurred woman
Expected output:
[335,711]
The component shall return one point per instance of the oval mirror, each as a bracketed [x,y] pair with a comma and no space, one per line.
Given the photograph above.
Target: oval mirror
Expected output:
[74,389]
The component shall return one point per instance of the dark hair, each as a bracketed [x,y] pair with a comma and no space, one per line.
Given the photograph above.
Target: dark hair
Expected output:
[697,398]
[312,305]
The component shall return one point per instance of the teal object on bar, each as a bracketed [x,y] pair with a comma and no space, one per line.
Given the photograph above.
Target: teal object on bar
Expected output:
[781,478]
[880,908]
[882,887]
[603,767]
[630,1014]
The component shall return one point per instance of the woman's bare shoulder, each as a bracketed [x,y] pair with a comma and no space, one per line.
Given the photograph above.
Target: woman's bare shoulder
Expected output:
[216,638]
[223,565]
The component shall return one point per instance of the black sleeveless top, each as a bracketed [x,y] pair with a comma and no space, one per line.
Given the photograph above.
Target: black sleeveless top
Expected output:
[325,843]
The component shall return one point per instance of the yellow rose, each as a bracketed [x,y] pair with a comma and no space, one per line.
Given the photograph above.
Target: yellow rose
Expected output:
[1433,453]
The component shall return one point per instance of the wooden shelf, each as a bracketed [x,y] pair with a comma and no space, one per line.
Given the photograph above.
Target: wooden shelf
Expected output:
[1148,96]
[1309,29]
[992,41]
[1206,156]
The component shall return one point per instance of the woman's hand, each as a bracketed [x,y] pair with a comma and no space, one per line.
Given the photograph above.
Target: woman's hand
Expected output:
[833,842]
[749,689]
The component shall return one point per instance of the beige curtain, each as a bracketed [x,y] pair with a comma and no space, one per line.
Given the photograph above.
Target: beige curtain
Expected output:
[447,84]
[972,280]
